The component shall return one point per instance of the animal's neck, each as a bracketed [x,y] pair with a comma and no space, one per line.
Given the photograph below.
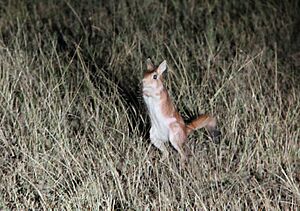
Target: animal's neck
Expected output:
[153,92]
[156,97]
[161,103]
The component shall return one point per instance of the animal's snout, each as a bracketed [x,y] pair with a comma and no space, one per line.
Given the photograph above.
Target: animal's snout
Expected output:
[145,81]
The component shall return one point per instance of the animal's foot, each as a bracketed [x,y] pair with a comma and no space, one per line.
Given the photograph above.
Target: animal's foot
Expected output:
[183,161]
[164,157]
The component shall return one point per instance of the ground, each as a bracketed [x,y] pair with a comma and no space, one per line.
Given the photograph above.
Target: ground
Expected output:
[74,129]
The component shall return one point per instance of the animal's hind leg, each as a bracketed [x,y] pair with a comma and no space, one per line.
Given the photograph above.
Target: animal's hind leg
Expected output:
[177,138]
[161,146]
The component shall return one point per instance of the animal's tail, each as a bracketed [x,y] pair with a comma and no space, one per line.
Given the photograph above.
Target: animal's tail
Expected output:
[208,122]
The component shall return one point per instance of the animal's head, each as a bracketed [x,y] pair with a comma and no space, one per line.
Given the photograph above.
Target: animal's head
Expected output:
[153,76]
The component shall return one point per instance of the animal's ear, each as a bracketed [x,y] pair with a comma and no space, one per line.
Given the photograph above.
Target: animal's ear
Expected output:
[162,67]
[150,65]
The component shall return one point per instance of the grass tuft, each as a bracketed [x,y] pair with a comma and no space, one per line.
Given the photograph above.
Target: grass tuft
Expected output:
[74,129]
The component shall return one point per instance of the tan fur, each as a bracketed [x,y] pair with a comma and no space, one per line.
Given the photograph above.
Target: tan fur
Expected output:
[166,123]
[202,121]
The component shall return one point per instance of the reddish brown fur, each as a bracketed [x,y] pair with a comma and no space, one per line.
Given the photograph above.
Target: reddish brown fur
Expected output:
[164,116]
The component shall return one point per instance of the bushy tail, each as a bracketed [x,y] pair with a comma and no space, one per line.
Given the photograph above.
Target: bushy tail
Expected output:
[206,121]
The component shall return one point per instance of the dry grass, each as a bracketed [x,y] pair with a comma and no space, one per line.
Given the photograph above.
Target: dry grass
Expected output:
[73,128]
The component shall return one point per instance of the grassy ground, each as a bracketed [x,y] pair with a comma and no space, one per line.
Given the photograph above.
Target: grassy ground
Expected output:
[73,126]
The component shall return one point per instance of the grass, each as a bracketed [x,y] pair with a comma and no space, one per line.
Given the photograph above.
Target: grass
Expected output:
[73,126]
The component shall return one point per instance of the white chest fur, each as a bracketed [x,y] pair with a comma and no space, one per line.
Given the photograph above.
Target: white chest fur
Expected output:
[159,122]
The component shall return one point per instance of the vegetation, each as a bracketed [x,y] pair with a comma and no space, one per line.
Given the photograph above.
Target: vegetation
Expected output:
[74,129]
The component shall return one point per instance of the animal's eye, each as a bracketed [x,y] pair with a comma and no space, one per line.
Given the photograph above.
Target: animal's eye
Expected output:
[155,77]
